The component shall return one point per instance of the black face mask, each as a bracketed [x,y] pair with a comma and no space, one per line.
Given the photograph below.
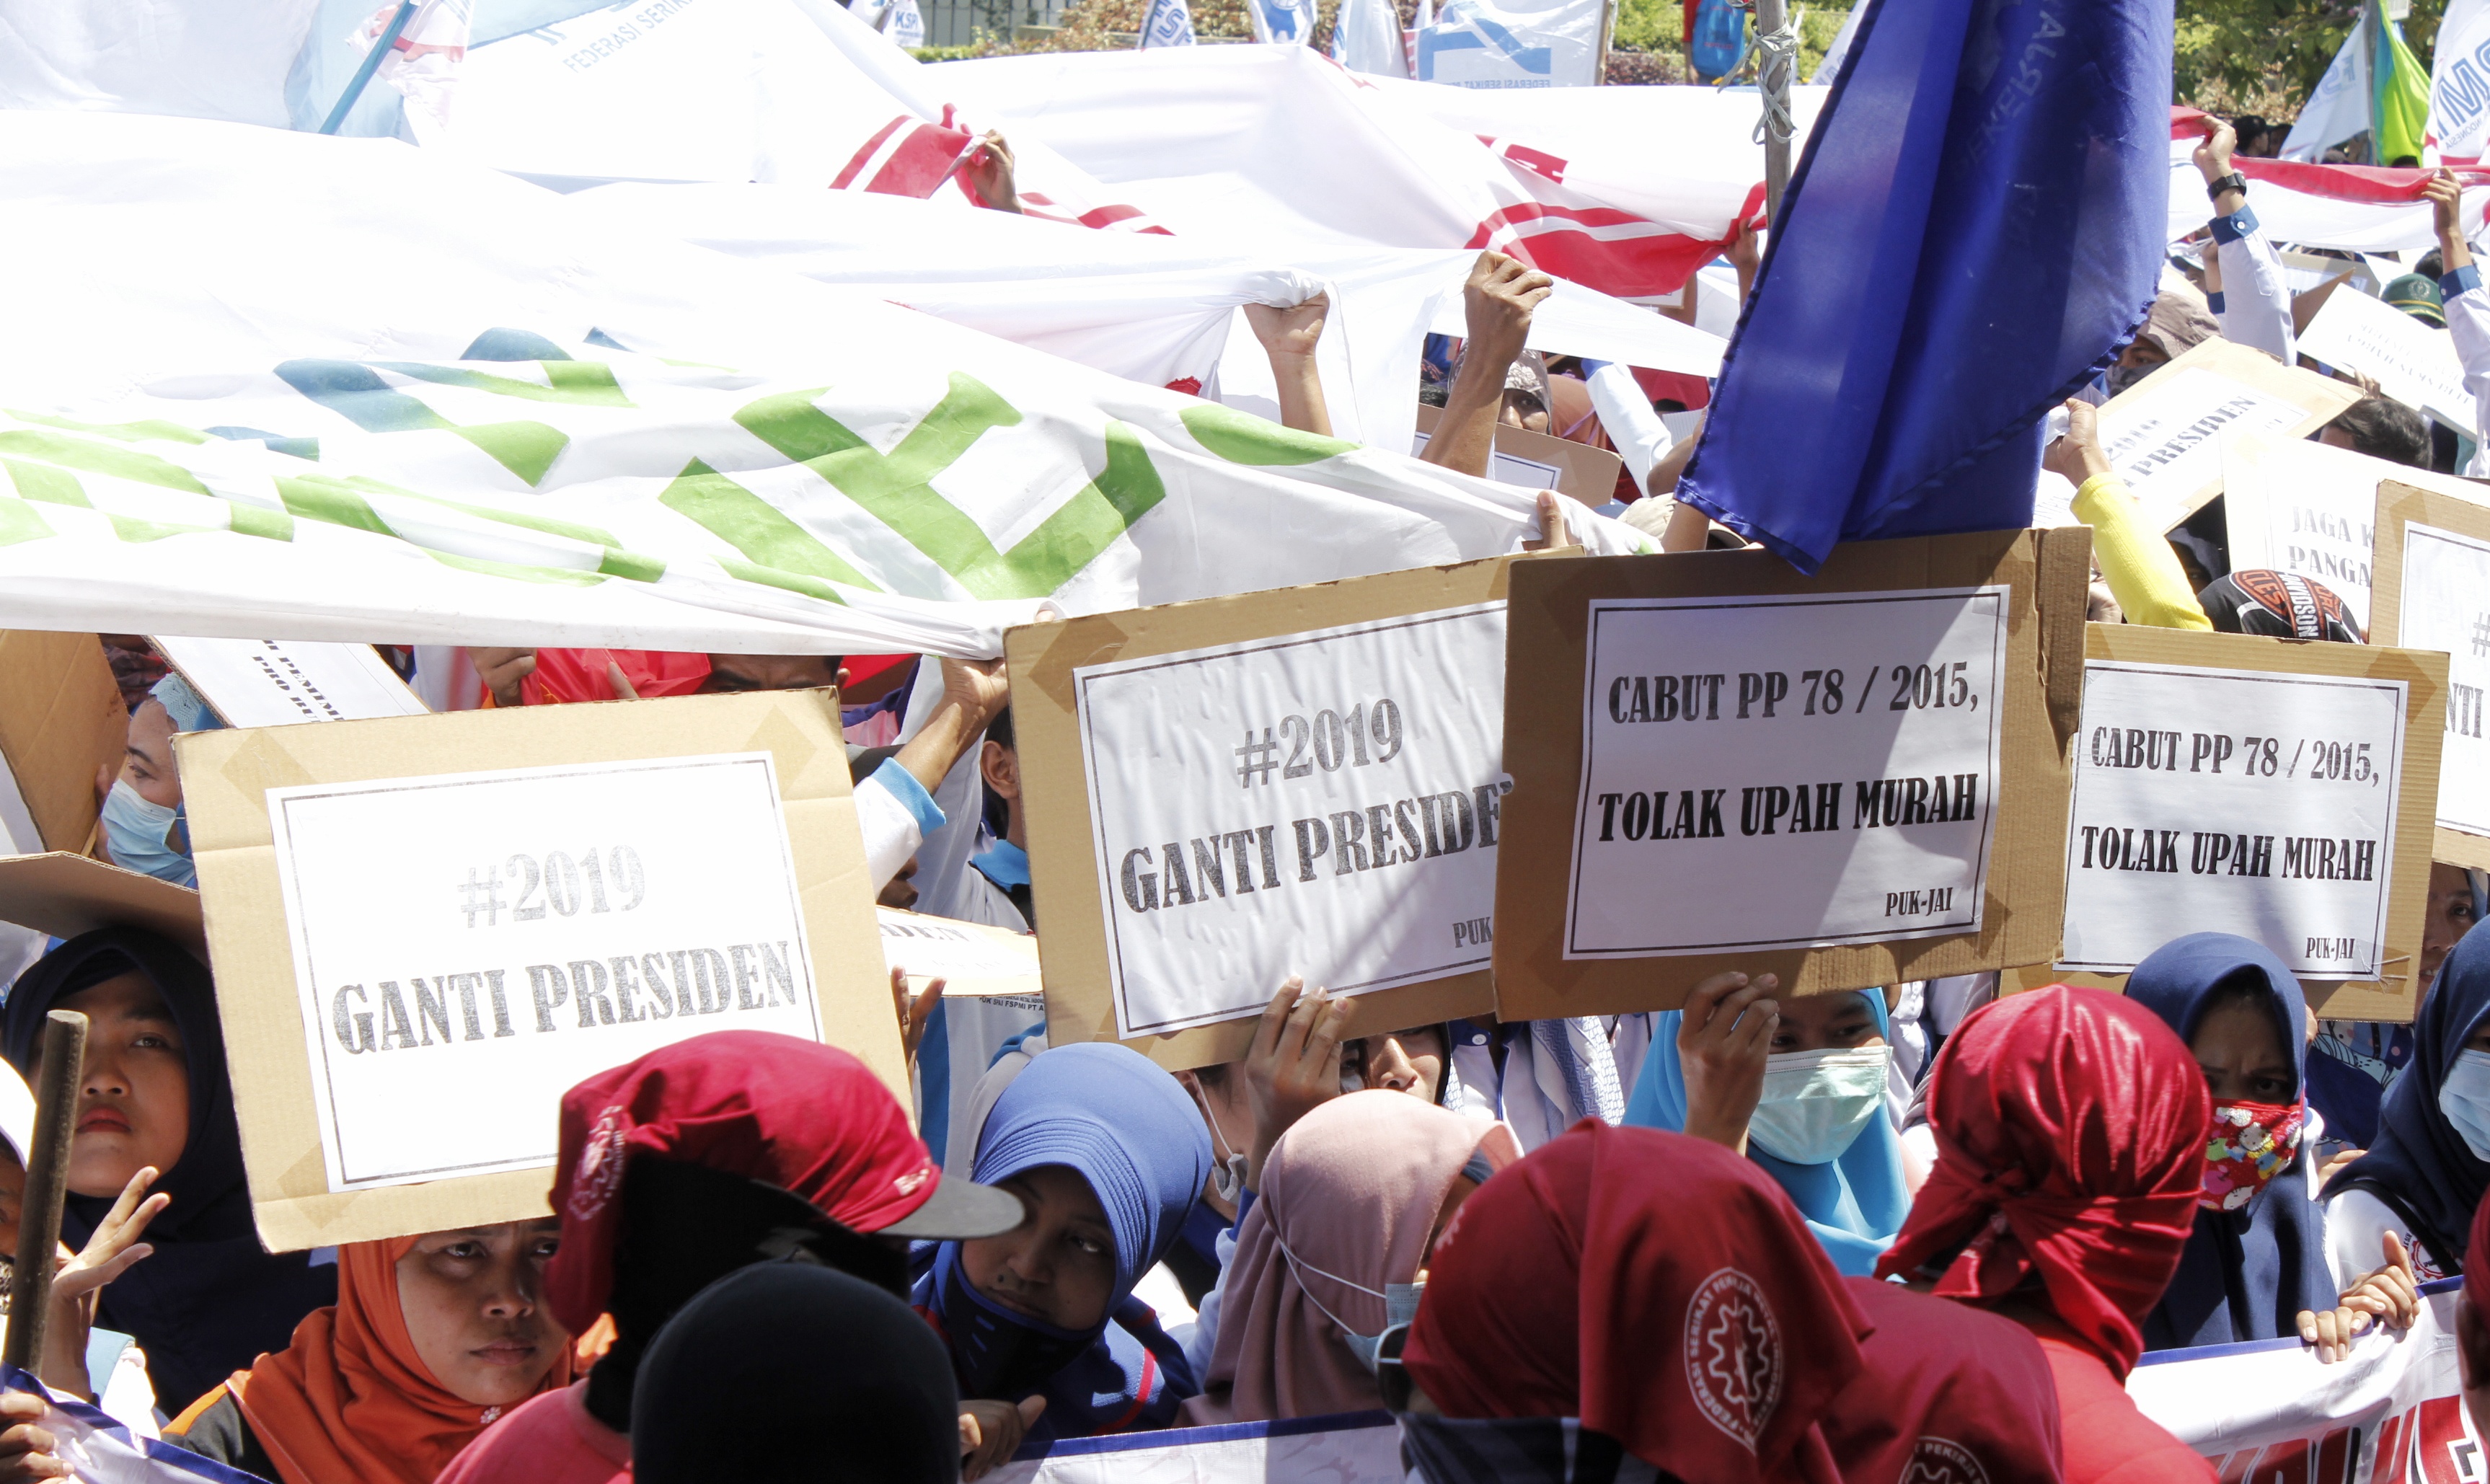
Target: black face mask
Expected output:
[997,1353]
[2121,377]
[685,1226]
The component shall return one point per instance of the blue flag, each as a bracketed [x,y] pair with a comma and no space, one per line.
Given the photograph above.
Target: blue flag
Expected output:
[1975,226]
[1170,24]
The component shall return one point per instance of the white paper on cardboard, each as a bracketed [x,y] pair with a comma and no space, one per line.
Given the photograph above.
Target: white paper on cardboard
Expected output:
[1321,803]
[1810,770]
[2233,801]
[2413,362]
[2166,445]
[2447,606]
[274,683]
[468,946]
[978,961]
[2297,506]
[1507,468]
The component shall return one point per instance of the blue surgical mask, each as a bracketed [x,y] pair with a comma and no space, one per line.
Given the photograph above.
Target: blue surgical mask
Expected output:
[2464,1097]
[1400,1304]
[1817,1104]
[151,838]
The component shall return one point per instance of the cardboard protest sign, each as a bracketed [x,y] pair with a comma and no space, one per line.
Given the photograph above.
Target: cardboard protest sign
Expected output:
[272,683]
[424,929]
[2433,593]
[2294,504]
[1225,793]
[2413,362]
[2164,434]
[1845,781]
[2270,788]
[61,719]
[1539,461]
[65,894]
[973,960]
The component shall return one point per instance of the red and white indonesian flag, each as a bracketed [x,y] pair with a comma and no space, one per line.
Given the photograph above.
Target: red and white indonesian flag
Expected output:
[2355,207]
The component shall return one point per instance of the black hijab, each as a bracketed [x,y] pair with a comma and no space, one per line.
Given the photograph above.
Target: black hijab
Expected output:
[2246,1275]
[796,1372]
[2419,1164]
[210,1300]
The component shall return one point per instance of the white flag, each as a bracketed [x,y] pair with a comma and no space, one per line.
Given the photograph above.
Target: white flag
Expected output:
[2459,83]
[1366,38]
[1170,24]
[903,24]
[1287,22]
[2339,108]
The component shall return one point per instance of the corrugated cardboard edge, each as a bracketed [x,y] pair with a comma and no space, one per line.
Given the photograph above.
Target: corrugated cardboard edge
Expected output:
[225,777]
[2026,896]
[1583,473]
[2401,504]
[2321,398]
[61,718]
[1072,949]
[66,894]
[2398,996]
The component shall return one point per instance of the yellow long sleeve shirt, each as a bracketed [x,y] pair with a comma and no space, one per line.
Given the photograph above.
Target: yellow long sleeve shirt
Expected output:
[2137,561]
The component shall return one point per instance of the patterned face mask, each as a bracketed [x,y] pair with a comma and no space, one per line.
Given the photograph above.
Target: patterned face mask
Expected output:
[2251,1144]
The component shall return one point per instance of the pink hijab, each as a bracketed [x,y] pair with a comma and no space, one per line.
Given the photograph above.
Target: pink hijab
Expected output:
[1347,1204]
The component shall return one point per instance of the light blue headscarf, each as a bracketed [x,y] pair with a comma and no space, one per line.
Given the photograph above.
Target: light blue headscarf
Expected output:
[1854,1205]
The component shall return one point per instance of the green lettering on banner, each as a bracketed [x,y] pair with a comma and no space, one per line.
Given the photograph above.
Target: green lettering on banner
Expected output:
[1242,438]
[260,522]
[355,391]
[759,530]
[780,577]
[154,429]
[584,383]
[524,571]
[639,566]
[322,498]
[21,522]
[130,528]
[897,488]
[525,449]
[100,458]
[44,483]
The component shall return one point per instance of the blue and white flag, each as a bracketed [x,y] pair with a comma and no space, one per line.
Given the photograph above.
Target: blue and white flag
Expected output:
[1170,24]
[1366,38]
[1287,22]
[101,1450]
[904,23]
[1975,227]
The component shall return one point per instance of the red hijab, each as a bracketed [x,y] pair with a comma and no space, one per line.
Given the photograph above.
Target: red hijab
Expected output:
[1656,1287]
[2070,1128]
[808,1118]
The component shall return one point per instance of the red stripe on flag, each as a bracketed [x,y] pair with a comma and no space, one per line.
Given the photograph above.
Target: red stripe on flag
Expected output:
[921,163]
[1564,241]
[857,162]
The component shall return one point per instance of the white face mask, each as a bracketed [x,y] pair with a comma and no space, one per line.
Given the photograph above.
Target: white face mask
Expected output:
[1817,1102]
[2465,1098]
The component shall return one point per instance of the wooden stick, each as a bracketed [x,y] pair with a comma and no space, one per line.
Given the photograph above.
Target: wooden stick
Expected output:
[47,1186]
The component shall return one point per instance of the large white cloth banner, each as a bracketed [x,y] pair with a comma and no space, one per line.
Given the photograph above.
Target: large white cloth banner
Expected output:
[393,409]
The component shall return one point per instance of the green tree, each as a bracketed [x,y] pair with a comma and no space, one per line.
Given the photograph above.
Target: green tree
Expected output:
[2264,56]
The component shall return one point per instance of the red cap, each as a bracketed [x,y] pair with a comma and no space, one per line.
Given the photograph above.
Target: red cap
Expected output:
[808,1118]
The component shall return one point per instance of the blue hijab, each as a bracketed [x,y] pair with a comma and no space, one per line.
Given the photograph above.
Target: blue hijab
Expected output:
[1129,1130]
[1854,1205]
[2419,1165]
[2245,1274]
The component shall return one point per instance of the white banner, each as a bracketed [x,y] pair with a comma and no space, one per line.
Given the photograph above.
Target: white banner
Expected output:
[272,683]
[2165,442]
[2447,606]
[2303,507]
[2413,362]
[1818,770]
[2459,82]
[1321,803]
[2235,801]
[546,924]
[1481,44]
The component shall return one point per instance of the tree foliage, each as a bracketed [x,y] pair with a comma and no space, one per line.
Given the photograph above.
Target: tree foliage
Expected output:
[2264,56]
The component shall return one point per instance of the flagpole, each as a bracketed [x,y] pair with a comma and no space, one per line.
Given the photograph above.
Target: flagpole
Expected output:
[371,63]
[1777,45]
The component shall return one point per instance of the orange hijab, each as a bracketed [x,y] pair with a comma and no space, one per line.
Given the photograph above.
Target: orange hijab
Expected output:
[350,1399]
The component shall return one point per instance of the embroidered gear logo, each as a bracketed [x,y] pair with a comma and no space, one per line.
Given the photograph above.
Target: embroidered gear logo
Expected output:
[1943,1461]
[600,1166]
[1733,1354]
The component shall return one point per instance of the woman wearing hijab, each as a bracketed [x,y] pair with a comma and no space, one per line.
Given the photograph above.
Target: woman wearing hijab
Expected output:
[787,1372]
[1624,1293]
[2423,1179]
[1334,1252]
[1799,1084]
[1109,1156]
[154,1092]
[696,1160]
[2070,1128]
[2257,1255]
[432,1338]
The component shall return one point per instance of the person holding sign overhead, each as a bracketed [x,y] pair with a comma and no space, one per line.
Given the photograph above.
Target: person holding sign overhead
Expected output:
[155,1093]
[1109,1156]
[2256,1259]
[1797,1084]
